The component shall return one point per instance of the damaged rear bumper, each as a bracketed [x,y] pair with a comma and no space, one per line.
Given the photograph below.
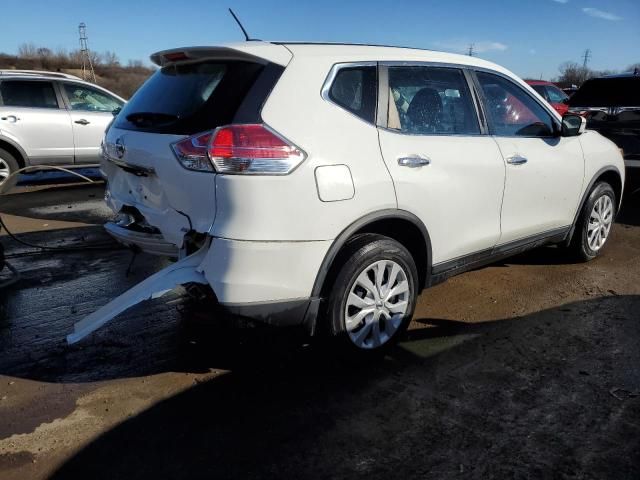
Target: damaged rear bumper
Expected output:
[269,282]
[147,242]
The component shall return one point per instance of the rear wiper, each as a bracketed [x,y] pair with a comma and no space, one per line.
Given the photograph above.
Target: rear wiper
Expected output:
[148,119]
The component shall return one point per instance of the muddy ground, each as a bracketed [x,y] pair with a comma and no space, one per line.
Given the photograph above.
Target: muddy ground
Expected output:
[524,369]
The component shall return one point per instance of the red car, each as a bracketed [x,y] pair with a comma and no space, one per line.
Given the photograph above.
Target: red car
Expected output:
[552,94]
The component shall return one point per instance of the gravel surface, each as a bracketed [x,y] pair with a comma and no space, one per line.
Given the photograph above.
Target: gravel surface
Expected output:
[523,369]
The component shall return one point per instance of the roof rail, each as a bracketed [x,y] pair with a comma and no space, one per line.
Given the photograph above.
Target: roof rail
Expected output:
[38,73]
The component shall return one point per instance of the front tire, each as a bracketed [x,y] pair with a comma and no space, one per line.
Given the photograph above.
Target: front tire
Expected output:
[595,223]
[8,165]
[374,294]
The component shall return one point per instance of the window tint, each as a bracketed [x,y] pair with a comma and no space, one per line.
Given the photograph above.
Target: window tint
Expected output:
[17,93]
[555,94]
[608,92]
[511,110]
[356,90]
[89,99]
[184,99]
[430,100]
[542,91]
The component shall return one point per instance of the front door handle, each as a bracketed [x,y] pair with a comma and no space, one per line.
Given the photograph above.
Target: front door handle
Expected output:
[413,161]
[10,118]
[516,159]
[82,121]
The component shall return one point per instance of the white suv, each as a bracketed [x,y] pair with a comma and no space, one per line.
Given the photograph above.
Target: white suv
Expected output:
[49,118]
[327,185]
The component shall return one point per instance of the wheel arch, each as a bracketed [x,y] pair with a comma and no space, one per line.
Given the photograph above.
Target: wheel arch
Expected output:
[15,150]
[401,225]
[609,174]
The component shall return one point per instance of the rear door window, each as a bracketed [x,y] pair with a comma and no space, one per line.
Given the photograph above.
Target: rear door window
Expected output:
[26,93]
[355,89]
[189,98]
[431,100]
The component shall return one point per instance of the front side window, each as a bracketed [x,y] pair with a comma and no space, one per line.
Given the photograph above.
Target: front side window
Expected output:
[89,99]
[430,100]
[555,94]
[25,93]
[511,110]
[355,89]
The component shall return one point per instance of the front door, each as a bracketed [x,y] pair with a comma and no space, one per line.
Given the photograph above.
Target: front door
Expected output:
[544,170]
[91,112]
[444,169]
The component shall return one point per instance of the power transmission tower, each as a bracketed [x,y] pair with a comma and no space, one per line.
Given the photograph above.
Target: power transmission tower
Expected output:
[585,58]
[471,52]
[87,64]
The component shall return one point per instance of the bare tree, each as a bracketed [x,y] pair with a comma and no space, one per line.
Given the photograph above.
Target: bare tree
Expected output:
[572,73]
[110,59]
[27,50]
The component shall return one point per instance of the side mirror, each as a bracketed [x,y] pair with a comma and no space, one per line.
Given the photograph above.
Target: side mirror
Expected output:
[573,125]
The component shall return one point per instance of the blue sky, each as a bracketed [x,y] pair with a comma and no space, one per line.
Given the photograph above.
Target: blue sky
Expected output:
[530,37]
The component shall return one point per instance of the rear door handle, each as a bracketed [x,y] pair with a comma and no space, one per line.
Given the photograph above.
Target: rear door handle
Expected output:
[413,161]
[82,121]
[516,159]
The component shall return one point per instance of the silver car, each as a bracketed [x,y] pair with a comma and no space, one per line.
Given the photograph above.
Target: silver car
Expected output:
[49,118]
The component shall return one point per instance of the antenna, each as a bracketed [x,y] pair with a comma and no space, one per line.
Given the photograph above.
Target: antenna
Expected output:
[246,35]
[87,65]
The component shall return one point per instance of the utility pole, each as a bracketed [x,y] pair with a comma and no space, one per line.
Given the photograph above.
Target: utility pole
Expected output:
[87,64]
[470,52]
[585,58]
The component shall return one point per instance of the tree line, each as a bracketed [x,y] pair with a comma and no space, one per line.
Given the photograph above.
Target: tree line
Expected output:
[572,73]
[123,79]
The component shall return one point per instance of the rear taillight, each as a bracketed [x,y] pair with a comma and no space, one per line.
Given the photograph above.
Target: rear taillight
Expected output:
[192,152]
[251,149]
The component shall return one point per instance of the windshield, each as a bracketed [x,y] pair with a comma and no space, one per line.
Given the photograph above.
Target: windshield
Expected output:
[189,98]
[608,92]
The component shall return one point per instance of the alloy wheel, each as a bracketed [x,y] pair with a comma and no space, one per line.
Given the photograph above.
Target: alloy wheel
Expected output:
[377,304]
[600,222]
[5,171]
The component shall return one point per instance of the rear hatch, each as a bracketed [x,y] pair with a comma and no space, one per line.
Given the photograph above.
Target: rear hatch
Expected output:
[612,107]
[195,90]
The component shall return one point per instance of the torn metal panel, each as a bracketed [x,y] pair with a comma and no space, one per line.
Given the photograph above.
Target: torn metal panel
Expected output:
[184,271]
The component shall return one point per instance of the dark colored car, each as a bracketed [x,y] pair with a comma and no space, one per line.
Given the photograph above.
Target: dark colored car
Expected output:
[552,94]
[611,106]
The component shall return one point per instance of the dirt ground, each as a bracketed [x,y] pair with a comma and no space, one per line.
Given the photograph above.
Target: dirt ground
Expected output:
[524,369]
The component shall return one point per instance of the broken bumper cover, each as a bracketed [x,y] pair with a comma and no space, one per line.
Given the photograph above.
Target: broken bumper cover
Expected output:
[147,242]
[270,282]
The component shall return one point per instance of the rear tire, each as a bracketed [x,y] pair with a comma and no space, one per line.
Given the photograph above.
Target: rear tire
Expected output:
[8,165]
[594,223]
[373,296]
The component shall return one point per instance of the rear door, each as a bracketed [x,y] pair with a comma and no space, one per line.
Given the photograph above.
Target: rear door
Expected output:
[444,168]
[33,116]
[91,111]
[544,171]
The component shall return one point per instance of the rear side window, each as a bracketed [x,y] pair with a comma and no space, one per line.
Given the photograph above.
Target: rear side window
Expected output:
[355,89]
[430,100]
[16,93]
[608,92]
[184,99]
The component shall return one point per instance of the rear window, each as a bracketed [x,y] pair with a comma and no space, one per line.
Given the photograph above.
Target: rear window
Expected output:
[608,92]
[184,99]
